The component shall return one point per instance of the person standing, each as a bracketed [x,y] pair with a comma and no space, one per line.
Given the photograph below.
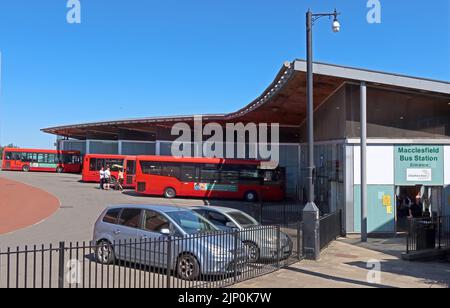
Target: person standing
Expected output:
[107,178]
[102,178]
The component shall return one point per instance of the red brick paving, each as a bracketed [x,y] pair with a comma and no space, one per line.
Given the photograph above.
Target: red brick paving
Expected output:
[22,205]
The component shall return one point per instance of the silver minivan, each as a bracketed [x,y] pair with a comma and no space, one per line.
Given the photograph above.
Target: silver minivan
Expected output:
[143,234]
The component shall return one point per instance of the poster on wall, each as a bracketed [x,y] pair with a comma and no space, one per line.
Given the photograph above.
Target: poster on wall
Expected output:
[419,165]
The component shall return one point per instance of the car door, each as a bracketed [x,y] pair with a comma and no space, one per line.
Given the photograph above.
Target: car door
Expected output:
[125,234]
[153,246]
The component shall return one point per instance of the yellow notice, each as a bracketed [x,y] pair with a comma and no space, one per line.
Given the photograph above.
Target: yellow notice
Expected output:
[387,201]
[389,209]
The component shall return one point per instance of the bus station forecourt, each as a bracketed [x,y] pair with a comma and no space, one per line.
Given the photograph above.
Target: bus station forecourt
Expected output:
[79,204]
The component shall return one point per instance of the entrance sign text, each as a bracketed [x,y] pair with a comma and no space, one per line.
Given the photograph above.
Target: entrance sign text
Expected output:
[419,165]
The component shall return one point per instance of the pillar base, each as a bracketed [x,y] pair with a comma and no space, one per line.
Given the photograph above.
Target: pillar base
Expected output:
[311,232]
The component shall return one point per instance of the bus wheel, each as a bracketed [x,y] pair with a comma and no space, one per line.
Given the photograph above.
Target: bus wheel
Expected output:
[59,170]
[251,196]
[170,193]
[26,168]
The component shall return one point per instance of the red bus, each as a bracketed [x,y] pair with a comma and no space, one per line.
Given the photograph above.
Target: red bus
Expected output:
[93,163]
[208,178]
[41,160]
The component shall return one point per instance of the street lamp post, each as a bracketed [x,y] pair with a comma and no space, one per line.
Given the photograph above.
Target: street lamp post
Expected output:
[311,212]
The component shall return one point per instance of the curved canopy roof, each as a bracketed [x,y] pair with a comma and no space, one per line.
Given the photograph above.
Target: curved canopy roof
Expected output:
[284,101]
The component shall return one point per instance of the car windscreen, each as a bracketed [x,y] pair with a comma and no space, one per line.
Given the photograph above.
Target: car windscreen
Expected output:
[191,222]
[243,219]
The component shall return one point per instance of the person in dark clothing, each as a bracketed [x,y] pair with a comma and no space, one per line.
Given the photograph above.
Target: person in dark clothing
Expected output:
[416,208]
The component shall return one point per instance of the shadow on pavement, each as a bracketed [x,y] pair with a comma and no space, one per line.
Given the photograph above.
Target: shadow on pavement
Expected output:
[429,273]
[393,246]
[338,279]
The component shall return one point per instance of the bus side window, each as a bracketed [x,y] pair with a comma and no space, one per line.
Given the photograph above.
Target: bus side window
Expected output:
[131,167]
[172,171]
[8,156]
[189,174]
[100,164]
[92,164]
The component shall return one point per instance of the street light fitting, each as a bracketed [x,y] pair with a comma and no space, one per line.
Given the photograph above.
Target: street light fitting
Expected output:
[336,25]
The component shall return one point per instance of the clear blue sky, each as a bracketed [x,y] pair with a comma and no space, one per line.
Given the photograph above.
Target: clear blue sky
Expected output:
[149,58]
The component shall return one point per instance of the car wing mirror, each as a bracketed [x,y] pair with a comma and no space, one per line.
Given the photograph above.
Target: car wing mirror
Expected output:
[165,231]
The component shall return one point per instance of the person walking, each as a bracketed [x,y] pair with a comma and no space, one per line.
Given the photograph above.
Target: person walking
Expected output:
[102,178]
[108,178]
[120,178]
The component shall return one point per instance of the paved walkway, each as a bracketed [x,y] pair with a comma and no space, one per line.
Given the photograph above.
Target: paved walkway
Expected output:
[344,265]
[22,205]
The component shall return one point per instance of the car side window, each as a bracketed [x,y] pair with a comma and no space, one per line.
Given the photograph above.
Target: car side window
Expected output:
[217,218]
[130,218]
[155,222]
[112,216]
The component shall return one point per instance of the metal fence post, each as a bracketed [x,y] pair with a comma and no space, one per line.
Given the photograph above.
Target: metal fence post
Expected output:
[299,241]
[61,265]
[408,237]
[236,242]
[169,260]
[341,223]
[278,246]
[439,223]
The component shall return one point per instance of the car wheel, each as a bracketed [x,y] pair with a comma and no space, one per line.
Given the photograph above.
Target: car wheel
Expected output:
[251,196]
[104,253]
[59,170]
[253,251]
[26,168]
[188,267]
[170,193]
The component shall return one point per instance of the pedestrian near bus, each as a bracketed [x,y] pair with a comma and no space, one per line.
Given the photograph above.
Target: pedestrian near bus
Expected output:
[107,178]
[120,178]
[102,178]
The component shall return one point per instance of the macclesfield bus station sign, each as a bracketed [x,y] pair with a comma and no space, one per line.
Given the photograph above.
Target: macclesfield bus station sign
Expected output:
[419,165]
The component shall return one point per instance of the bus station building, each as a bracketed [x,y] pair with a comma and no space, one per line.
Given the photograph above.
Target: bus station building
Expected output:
[408,129]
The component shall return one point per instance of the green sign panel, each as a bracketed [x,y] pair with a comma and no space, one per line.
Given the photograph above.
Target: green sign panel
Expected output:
[419,165]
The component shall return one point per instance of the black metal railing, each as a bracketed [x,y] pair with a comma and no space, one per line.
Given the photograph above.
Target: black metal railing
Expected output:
[207,260]
[331,228]
[428,233]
